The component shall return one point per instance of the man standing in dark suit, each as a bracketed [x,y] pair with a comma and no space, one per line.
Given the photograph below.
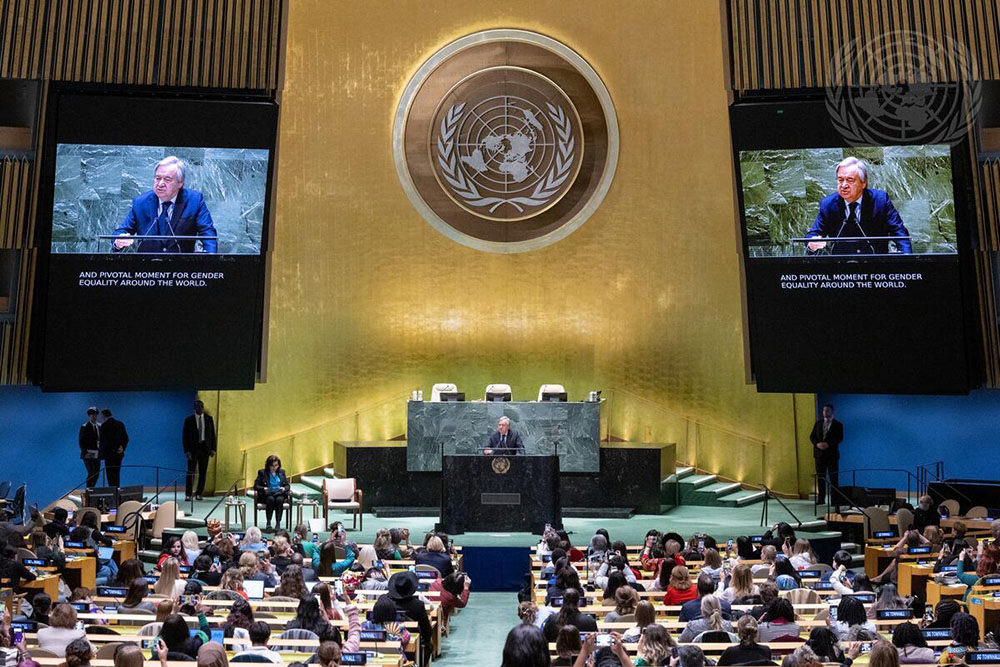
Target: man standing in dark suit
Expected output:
[504,440]
[198,437]
[169,209]
[90,447]
[114,440]
[855,210]
[826,437]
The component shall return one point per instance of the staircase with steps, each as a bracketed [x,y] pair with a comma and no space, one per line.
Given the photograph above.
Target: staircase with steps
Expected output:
[708,490]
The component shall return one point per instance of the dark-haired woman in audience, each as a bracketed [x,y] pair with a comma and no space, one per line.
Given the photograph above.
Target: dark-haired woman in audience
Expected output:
[179,640]
[825,645]
[237,625]
[888,598]
[41,606]
[612,584]
[135,598]
[11,569]
[964,638]
[645,614]
[850,613]
[525,647]
[172,548]
[569,614]
[784,566]
[129,571]
[383,546]
[309,616]
[326,564]
[987,562]
[400,539]
[568,646]
[384,618]
[748,650]
[778,621]
[78,653]
[292,584]
[661,577]
[712,564]
[625,601]
[454,590]
[910,643]
[205,571]
[680,588]
[567,579]
[943,611]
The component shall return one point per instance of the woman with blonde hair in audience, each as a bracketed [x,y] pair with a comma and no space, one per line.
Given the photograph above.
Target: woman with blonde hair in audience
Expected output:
[748,650]
[625,601]
[883,654]
[527,611]
[189,542]
[681,589]
[768,554]
[655,646]
[645,614]
[164,609]
[710,621]
[232,580]
[253,540]
[383,546]
[935,536]
[801,555]
[436,557]
[740,585]
[61,631]
[170,582]
[257,567]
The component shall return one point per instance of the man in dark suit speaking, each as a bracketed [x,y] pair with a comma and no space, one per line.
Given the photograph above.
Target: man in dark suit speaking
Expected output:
[504,440]
[855,210]
[169,209]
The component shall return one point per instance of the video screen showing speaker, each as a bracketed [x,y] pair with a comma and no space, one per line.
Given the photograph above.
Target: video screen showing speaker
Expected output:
[153,211]
[855,255]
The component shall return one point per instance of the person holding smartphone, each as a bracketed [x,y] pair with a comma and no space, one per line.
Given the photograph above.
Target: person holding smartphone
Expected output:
[612,642]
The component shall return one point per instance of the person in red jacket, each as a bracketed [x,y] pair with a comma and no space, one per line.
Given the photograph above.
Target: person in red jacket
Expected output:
[680,589]
[454,591]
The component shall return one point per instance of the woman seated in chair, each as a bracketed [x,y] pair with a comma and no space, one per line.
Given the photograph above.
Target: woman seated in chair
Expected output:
[272,490]
[172,548]
[748,650]
[61,631]
[135,598]
[779,621]
[435,556]
[710,620]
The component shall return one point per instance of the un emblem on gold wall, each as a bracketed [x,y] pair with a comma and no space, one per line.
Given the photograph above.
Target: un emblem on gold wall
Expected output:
[505,140]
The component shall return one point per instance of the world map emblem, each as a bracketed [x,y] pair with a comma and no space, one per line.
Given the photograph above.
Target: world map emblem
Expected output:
[511,147]
[505,140]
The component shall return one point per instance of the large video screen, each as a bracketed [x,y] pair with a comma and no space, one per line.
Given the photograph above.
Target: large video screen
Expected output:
[853,256]
[154,213]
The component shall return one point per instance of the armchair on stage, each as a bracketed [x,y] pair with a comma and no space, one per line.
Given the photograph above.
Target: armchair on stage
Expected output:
[343,494]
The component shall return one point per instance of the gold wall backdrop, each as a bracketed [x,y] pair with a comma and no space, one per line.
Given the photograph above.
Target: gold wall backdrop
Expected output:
[368,301]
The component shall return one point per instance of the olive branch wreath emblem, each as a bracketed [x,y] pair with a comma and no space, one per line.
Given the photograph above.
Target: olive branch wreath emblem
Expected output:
[466,188]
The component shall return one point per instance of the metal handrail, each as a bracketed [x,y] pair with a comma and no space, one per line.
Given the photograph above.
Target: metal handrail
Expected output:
[156,469]
[768,494]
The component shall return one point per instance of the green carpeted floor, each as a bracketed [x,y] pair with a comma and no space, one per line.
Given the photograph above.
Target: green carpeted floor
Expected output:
[478,632]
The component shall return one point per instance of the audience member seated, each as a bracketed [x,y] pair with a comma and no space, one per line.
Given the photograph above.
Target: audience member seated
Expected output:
[568,646]
[768,554]
[454,591]
[172,548]
[403,592]
[130,655]
[41,607]
[625,602]
[712,565]
[567,579]
[400,539]
[329,654]
[614,564]
[710,619]
[232,580]
[883,654]
[911,645]
[655,647]
[741,585]
[178,640]
[58,526]
[237,624]
[128,571]
[206,571]
[325,561]
[680,589]
[308,574]
[525,646]
[47,547]
[211,654]
[988,556]
[645,615]
[912,538]
[78,653]
[436,557]
[850,613]
[189,542]
[783,566]
[926,513]
[692,609]
[61,631]
[260,633]
[800,554]
[292,584]
[11,569]
[943,612]
[170,582]
[768,594]
[748,651]
[549,570]
[135,598]
[888,598]
[569,614]
[256,566]
[253,540]
[964,638]
[825,645]
[309,616]
[779,621]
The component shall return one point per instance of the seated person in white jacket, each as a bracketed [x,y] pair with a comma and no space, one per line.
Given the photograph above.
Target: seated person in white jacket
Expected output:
[616,562]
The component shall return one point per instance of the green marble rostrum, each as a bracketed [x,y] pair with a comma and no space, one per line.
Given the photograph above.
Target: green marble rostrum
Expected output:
[782,190]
